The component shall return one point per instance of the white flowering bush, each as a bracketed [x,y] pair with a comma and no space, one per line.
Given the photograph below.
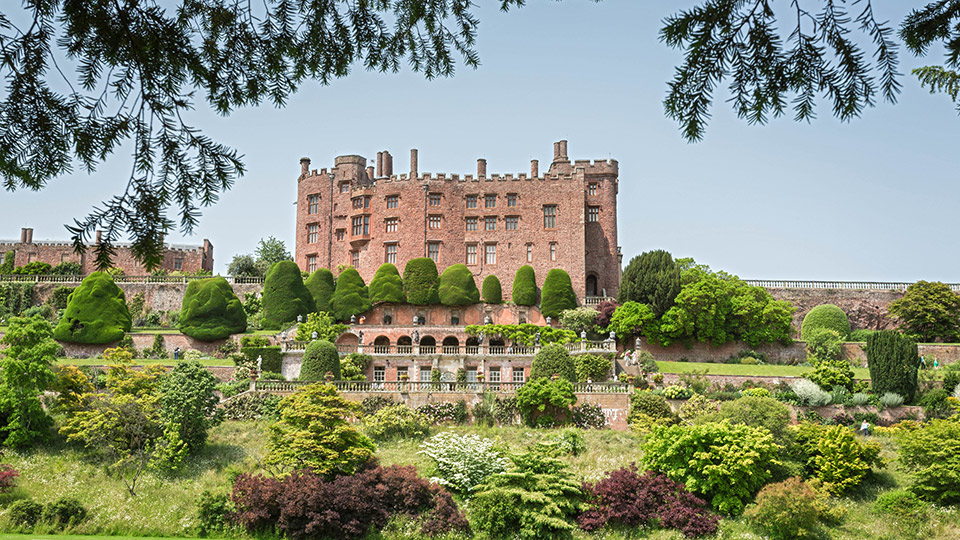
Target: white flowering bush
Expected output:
[462,462]
[810,394]
[193,354]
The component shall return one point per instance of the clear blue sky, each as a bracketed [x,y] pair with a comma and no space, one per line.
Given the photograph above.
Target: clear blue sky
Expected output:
[874,199]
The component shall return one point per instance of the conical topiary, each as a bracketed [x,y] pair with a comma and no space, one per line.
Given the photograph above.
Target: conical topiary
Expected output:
[492,293]
[420,281]
[351,296]
[211,310]
[321,286]
[457,287]
[96,312]
[386,285]
[285,296]
[525,287]
[557,294]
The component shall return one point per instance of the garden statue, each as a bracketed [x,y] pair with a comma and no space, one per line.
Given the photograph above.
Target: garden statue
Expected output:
[583,335]
[299,319]
[259,364]
[353,319]
[360,337]
[487,320]
[314,335]
[283,335]
[536,339]
[416,337]
[613,336]
[480,339]
[549,321]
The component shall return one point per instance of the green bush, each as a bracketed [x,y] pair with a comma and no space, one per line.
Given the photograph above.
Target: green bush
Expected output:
[323,324]
[7,267]
[825,316]
[213,513]
[553,359]
[457,287]
[188,401]
[321,286]
[254,341]
[557,294]
[860,335]
[64,512]
[785,510]
[592,367]
[835,456]
[824,344]
[284,296]
[320,357]
[211,310]
[900,504]
[354,366]
[893,362]
[492,292]
[935,404]
[764,412]
[34,268]
[387,286]
[25,513]
[525,287]
[951,376]
[645,406]
[251,406]
[676,391]
[96,312]
[830,374]
[15,298]
[60,297]
[271,355]
[462,462]
[396,422]
[67,268]
[546,403]
[931,455]
[421,281]
[351,296]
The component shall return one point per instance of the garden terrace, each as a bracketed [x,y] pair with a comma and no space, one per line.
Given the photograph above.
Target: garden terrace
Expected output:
[429,387]
[452,348]
[119,279]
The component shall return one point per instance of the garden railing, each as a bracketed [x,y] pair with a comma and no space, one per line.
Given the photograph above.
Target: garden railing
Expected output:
[432,387]
[577,347]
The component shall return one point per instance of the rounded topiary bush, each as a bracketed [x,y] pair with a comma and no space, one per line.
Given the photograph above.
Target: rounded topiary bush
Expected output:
[211,310]
[321,286]
[457,287]
[421,282]
[553,359]
[492,293]
[284,295]
[386,285]
[351,296]
[320,357]
[557,294]
[525,287]
[825,316]
[96,312]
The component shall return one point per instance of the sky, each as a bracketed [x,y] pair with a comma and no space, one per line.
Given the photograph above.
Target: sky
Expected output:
[873,199]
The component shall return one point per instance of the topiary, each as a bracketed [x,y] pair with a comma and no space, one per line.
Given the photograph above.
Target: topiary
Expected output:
[96,312]
[825,316]
[211,310]
[457,287]
[893,362]
[492,293]
[553,359]
[387,286]
[525,287]
[321,286]
[319,358]
[557,294]
[351,296]
[284,295]
[421,282]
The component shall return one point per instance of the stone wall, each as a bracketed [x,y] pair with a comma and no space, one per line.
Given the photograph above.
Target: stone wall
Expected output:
[143,341]
[704,352]
[158,296]
[866,309]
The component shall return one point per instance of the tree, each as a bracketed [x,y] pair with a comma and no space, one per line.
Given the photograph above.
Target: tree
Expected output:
[553,359]
[651,278]
[284,296]
[211,310]
[825,316]
[271,250]
[243,266]
[557,294]
[525,286]
[351,296]
[188,400]
[546,402]
[929,311]
[893,362]
[492,292]
[633,319]
[25,373]
[579,319]
[387,286]
[931,455]
[323,324]
[321,285]
[313,431]
[96,312]
[320,357]
[421,282]
[457,287]
[820,58]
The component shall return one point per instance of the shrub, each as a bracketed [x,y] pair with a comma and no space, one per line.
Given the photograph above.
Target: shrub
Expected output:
[557,293]
[545,402]
[758,391]
[272,357]
[505,411]
[831,374]
[351,296]
[891,399]
[321,286]
[834,456]
[931,455]
[421,282]
[213,513]
[764,412]
[441,413]
[825,316]
[254,341]
[457,286]
[809,393]
[860,335]
[785,510]
[320,357]
[725,463]
[951,376]
[565,442]
[698,406]
[387,286]
[860,399]
[462,462]
[64,512]
[587,416]
[353,366]
[96,312]
[492,292]
[33,268]
[592,367]
[579,319]
[6,268]
[396,422]
[677,392]
[60,297]
[188,400]
[626,498]
[824,344]
[25,513]
[893,362]
[251,406]
[900,504]
[323,324]
[211,310]
[553,359]
[935,404]
[67,268]
[646,362]
[652,406]
[284,295]
[524,292]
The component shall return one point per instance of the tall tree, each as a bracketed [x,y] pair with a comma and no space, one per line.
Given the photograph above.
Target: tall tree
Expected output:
[651,278]
[929,311]
[25,373]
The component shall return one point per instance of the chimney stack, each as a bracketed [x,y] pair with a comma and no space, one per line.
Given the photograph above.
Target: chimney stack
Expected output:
[534,168]
[481,168]
[413,163]
[304,167]
[100,233]
[387,163]
[29,236]
[23,235]
[370,173]
[560,151]
[379,164]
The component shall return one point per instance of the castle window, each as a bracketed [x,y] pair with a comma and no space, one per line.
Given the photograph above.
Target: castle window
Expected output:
[391,224]
[511,199]
[471,223]
[312,233]
[471,201]
[178,263]
[435,222]
[379,374]
[518,375]
[593,214]
[434,199]
[490,254]
[592,189]
[390,253]
[511,223]
[490,200]
[471,254]
[313,204]
[355,258]
[433,251]
[361,225]
[529,252]
[392,201]
[553,251]
[311,263]
[490,223]
[341,233]
[345,187]
[361,202]
[550,216]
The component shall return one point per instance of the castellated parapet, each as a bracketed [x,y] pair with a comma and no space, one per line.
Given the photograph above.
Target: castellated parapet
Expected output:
[362,216]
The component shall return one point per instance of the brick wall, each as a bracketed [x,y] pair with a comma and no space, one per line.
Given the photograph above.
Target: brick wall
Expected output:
[865,309]
[157,296]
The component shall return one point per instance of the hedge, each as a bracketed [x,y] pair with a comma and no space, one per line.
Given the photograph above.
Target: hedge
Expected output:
[557,294]
[553,359]
[284,295]
[525,287]
[321,286]
[351,296]
[420,282]
[7,267]
[272,357]
[825,316]
[211,310]
[893,362]
[96,312]
[387,286]
[457,287]
[492,293]
[320,357]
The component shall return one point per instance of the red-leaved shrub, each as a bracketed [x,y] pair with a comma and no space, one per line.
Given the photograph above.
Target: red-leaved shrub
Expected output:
[255,498]
[8,477]
[605,311]
[628,498]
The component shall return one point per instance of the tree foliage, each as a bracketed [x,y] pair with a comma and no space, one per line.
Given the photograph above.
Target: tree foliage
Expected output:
[929,311]
[557,294]
[931,455]
[553,359]
[522,334]
[524,291]
[457,286]
[320,357]
[351,296]
[211,310]
[321,286]
[651,278]
[96,312]
[893,362]
[546,402]
[421,281]
[321,323]
[386,285]
[492,292]
[25,373]
[285,296]
[825,316]
[188,401]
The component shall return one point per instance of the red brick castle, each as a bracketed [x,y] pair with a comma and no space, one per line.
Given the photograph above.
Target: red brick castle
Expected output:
[363,217]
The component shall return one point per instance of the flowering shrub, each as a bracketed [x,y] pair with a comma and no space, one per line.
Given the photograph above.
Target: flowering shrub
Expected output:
[397,421]
[372,404]
[810,394]
[842,419]
[461,462]
[193,354]
[630,499]
[785,510]
[440,413]
[252,406]
[677,392]
[588,416]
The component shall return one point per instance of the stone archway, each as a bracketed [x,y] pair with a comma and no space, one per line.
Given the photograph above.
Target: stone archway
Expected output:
[428,345]
[451,345]
[381,345]
[592,285]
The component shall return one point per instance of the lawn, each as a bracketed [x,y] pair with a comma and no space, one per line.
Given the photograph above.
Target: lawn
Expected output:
[211,362]
[83,537]
[766,370]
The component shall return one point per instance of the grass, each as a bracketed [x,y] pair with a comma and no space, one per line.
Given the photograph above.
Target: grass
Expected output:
[766,370]
[80,537]
[213,362]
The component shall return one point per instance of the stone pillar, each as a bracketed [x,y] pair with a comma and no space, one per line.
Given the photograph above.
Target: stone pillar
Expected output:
[534,168]
[481,168]
[413,163]
[370,176]
[304,166]
[379,164]
[387,163]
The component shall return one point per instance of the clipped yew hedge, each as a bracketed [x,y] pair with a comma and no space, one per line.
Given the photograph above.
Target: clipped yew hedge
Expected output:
[421,282]
[387,286]
[321,286]
[211,311]
[457,287]
[272,357]
[285,296]
[351,296]
[320,357]
[557,294]
[96,312]
[492,293]
[525,287]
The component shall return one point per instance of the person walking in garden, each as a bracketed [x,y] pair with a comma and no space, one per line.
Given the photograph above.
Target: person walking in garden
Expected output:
[865,428]
[923,362]
[936,363]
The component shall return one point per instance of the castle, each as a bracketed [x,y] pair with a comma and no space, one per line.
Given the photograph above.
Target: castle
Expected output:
[355,215]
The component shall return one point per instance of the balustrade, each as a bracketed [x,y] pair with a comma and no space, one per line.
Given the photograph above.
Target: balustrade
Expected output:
[432,387]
